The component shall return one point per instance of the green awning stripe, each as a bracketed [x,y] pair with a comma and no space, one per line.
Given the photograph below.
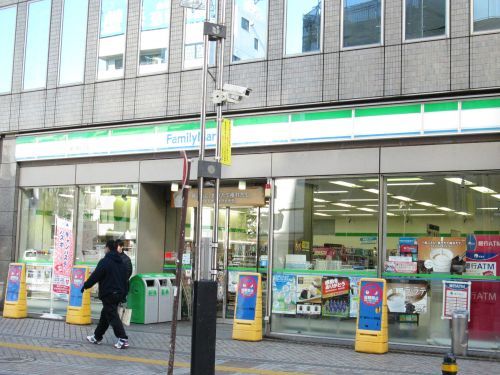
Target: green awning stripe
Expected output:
[321,115]
[385,111]
[481,104]
[487,232]
[133,130]
[441,107]
[51,138]
[90,134]
[25,140]
[261,120]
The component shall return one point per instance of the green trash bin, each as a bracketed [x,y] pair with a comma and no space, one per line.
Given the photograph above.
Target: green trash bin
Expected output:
[143,299]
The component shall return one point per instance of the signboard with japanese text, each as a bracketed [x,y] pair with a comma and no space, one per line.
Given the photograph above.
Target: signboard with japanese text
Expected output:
[284,294]
[226,142]
[371,300]
[247,297]
[13,282]
[335,296]
[77,280]
[63,256]
[456,297]
[483,255]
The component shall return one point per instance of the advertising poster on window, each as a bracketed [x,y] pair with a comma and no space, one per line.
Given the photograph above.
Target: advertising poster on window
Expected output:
[408,297]
[354,296]
[284,294]
[247,297]
[456,297]
[437,252]
[483,255]
[309,294]
[63,257]
[335,296]
[484,305]
[13,282]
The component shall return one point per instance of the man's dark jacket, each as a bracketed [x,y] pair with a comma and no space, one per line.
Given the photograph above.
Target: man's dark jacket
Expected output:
[128,264]
[111,275]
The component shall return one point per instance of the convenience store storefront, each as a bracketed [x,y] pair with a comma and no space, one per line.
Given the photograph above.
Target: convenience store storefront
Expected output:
[338,214]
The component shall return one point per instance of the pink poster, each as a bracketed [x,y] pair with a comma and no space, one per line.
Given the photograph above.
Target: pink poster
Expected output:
[63,256]
[483,255]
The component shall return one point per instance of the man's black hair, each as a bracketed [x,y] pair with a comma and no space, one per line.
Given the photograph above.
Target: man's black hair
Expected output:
[119,242]
[110,244]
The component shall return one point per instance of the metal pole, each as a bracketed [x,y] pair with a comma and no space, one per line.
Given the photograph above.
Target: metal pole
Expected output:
[221,20]
[200,256]
[270,256]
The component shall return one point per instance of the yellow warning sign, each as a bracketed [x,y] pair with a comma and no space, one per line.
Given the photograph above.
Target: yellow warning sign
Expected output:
[226,142]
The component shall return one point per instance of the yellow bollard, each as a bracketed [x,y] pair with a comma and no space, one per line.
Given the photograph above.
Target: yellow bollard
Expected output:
[449,365]
[78,310]
[15,305]
[248,310]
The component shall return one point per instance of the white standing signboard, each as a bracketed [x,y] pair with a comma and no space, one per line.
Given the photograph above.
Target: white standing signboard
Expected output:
[456,297]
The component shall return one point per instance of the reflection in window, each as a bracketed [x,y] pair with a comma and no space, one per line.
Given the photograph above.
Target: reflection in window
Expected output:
[154,36]
[112,38]
[39,209]
[425,18]
[486,15]
[362,22]
[303,26]
[193,37]
[253,14]
[7,39]
[37,45]
[74,32]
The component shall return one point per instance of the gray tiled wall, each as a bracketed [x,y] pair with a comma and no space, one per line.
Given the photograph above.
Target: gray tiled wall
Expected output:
[396,69]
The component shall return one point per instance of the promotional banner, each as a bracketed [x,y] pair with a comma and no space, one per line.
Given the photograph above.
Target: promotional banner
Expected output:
[408,298]
[309,294]
[437,252]
[284,294]
[485,302]
[370,305]
[13,282]
[335,296]
[247,297]
[77,280]
[483,255]
[354,296]
[63,256]
[456,297]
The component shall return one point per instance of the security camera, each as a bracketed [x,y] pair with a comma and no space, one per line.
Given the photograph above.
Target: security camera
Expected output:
[236,90]
[230,94]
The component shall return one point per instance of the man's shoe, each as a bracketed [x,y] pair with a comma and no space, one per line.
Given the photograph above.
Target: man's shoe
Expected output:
[93,340]
[121,344]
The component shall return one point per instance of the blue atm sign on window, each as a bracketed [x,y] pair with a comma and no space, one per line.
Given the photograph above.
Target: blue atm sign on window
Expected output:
[247,297]
[77,280]
[370,306]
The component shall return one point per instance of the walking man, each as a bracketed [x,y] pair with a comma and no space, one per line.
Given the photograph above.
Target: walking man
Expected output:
[110,273]
[125,258]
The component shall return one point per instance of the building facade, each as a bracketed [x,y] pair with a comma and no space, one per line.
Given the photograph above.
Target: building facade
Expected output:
[369,146]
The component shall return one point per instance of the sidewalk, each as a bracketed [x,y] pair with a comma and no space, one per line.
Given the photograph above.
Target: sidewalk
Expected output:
[42,347]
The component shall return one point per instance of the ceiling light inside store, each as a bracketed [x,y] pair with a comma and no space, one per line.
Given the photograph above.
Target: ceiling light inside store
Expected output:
[328,210]
[459,181]
[483,189]
[346,184]
[66,196]
[410,183]
[319,205]
[445,209]
[360,200]
[320,214]
[374,191]
[407,209]
[426,204]
[402,198]
[343,204]
[356,215]
[395,179]
[317,200]
[428,215]
[242,185]
[331,192]
[389,205]
[497,196]
[489,208]
[463,213]
[391,214]
[366,209]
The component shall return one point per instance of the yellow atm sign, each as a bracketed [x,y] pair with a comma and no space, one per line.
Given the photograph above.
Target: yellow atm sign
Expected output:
[226,142]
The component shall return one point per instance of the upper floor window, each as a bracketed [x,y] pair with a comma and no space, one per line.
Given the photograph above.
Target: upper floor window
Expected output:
[253,26]
[193,37]
[155,27]
[7,39]
[112,33]
[36,50]
[303,26]
[73,41]
[486,15]
[362,22]
[426,19]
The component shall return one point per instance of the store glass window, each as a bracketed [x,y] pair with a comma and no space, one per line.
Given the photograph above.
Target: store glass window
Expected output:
[254,15]
[303,26]
[7,39]
[443,236]
[112,33]
[193,37]
[43,210]
[362,22]
[155,26]
[425,19]
[36,51]
[325,239]
[73,41]
[486,15]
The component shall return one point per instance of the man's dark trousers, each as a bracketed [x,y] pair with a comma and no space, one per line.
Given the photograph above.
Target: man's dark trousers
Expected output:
[109,316]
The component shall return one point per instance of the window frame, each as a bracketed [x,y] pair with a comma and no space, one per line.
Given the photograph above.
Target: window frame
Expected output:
[321,37]
[233,21]
[446,34]
[139,39]
[60,49]
[28,3]
[472,32]
[382,29]
[13,49]
[97,79]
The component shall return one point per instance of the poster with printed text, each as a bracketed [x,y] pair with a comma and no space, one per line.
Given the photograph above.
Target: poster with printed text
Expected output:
[335,296]
[284,294]
[354,296]
[483,255]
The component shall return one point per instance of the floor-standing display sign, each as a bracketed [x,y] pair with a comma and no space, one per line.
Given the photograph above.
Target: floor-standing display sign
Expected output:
[372,326]
[248,311]
[78,311]
[456,297]
[15,296]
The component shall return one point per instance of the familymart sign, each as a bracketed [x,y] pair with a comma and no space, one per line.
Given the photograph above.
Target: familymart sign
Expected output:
[408,120]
